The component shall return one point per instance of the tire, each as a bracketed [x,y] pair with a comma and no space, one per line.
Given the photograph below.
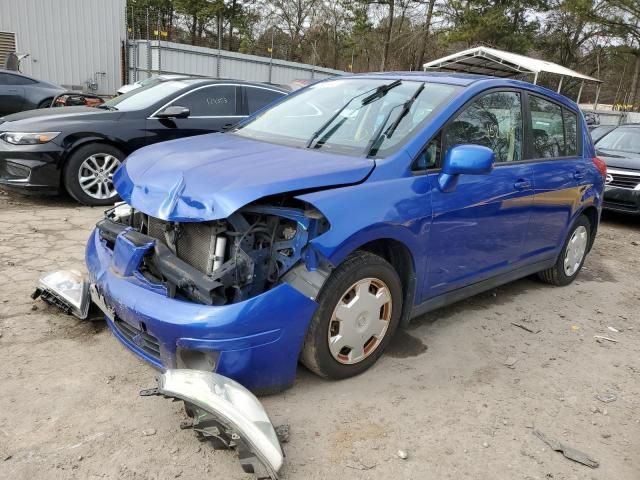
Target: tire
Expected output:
[87,160]
[45,103]
[358,269]
[559,274]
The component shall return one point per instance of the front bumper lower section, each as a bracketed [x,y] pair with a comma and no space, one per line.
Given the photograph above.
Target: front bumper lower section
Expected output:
[255,342]
[621,199]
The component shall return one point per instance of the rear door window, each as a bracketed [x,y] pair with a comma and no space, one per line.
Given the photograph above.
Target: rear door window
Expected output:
[214,101]
[259,97]
[547,128]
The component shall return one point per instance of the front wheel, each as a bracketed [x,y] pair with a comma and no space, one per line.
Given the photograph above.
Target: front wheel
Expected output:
[572,256]
[88,174]
[360,307]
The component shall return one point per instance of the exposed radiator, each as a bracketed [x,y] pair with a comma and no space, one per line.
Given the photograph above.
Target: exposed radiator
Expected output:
[195,244]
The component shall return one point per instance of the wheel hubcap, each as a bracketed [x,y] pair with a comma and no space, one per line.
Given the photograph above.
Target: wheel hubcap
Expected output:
[96,175]
[576,249]
[360,321]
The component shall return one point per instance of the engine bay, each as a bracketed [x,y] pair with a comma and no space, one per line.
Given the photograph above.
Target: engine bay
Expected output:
[222,261]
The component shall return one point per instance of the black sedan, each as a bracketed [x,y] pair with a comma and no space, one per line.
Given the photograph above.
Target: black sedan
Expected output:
[19,92]
[79,148]
[620,149]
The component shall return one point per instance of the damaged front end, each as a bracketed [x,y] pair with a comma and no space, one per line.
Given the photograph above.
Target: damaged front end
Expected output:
[226,413]
[217,262]
[232,296]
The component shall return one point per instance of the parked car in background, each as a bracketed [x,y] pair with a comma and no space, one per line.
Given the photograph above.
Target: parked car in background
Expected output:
[313,229]
[77,99]
[592,119]
[19,92]
[78,149]
[620,149]
[600,131]
[147,82]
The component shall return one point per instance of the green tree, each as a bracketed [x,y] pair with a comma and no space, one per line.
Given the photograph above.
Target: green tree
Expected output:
[509,25]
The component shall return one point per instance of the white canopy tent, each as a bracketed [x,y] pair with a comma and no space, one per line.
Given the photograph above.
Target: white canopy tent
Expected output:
[490,61]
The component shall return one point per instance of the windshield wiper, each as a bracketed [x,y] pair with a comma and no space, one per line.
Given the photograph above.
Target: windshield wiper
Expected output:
[376,139]
[104,106]
[378,92]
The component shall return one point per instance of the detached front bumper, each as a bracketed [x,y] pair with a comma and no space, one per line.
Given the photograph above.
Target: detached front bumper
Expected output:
[30,168]
[622,200]
[255,342]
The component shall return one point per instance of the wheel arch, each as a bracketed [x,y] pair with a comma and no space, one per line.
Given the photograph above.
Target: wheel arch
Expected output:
[82,142]
[399,255]
[593,215]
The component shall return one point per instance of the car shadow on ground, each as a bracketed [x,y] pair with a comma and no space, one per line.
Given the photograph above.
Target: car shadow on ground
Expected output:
[38,201]
[621,220]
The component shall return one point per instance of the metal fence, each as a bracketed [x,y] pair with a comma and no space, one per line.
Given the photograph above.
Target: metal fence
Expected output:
[152,57]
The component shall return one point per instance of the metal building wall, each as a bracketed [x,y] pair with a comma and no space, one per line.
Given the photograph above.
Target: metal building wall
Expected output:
[152,57]
[69,40]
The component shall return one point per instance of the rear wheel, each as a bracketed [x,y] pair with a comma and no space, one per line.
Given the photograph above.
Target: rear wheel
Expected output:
[88,175]
[360,306]
[572,256]
[45,103]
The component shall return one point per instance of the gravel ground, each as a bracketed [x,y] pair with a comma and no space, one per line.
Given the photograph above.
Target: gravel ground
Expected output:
[461,390]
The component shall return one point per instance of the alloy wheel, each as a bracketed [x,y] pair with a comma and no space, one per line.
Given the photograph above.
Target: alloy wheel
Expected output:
[95,175]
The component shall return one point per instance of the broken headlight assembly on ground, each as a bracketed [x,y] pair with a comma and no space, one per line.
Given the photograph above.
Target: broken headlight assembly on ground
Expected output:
[65,289]
[223,411]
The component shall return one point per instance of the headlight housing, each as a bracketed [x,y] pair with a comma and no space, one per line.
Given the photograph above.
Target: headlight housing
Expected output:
[28,138]
[66,289]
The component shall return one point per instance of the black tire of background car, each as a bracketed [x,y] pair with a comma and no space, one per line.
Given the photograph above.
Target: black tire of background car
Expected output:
[70,174]
[316,355]
[556,275]
[45,103]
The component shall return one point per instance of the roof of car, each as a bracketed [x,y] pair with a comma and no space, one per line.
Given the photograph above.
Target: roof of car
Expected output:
[210,81]
[467,80]
[462,79]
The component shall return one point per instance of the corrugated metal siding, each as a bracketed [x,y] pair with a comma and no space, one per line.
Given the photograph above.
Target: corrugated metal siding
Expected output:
[68,40]
[168,57]
[7,46]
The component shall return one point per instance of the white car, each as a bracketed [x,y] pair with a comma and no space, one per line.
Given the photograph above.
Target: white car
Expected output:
[149,81]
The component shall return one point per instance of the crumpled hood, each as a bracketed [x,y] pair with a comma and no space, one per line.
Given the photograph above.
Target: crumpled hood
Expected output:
[209,177]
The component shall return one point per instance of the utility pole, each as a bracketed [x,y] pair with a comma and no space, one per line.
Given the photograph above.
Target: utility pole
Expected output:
[271,55]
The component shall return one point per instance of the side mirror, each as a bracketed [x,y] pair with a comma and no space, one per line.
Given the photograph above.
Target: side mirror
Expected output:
[464,160]
[175,111]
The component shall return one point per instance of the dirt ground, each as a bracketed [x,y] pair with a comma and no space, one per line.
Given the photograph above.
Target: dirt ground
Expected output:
[461,390]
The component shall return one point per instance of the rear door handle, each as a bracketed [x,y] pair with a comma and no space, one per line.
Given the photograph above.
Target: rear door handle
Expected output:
[522,185]
[579,174]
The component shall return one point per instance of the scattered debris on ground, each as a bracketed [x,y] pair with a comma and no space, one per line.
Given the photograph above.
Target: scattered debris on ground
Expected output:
[569,452]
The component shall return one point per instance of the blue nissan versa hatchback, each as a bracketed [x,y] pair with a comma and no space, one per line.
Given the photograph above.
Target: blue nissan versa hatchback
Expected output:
[315,228]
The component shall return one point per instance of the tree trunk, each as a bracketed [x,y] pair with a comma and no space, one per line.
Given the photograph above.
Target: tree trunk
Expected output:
[634,82]
[335,47]
[425,34]
[232,16]
[170,26]
[194,28]
[387,40]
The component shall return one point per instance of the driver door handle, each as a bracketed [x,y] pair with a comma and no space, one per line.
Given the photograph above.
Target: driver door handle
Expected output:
[522,184]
